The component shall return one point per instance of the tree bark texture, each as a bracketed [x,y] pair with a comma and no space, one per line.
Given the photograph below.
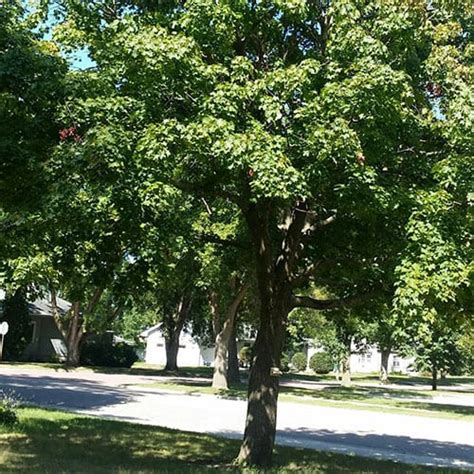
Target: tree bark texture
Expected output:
[434,378]
[233,371]
[74,335]
[173,324]
[385,354]
[274,294]
[346,366]
[71,325]
[172,348]
[219,379]
[277,274]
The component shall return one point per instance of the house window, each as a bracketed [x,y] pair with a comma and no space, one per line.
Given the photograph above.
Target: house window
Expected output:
[182,346]
[160,344]
[34,335]
[396,362]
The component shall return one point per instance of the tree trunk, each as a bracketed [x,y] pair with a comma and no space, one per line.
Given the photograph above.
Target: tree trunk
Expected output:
[346,370]
[385,354]
[346,363]
[73,353]
[260,426]
[171,348]
[273,275]
[434,378]
[174,323]
[74,335]
[73,330]
[219,379]
[233,372]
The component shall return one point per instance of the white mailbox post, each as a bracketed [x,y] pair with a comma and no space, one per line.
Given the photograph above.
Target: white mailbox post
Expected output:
[3,331]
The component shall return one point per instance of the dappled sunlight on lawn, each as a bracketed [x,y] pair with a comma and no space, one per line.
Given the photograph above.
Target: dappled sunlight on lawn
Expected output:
[47,441]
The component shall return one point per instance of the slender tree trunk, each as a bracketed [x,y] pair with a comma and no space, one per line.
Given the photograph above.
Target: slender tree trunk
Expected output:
[73,353]
[74,336]
[233,372]
[346,365]
[346,372]
[71,325]
[385,354]
[174,324]
[171,348]
[215,313]
[434,378]
[219,379]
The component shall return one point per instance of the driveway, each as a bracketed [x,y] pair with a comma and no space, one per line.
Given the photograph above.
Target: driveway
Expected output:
[410,439]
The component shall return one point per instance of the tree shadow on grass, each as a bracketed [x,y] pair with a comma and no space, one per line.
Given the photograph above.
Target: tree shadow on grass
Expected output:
[50,441]
[70,443]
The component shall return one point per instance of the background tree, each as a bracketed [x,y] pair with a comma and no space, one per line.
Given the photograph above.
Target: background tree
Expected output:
[435,271]
[31,80]
[436,350]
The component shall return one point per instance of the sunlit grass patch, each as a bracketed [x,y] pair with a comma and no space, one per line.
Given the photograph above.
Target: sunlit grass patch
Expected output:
[52,441]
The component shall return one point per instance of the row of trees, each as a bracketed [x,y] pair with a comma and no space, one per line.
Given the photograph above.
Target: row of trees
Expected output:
[266,156]
[439,349]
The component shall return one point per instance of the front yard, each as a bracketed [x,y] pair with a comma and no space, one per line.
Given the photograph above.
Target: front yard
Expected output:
[46,441]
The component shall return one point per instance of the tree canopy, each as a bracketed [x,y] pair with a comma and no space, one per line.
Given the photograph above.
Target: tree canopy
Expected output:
[331,139]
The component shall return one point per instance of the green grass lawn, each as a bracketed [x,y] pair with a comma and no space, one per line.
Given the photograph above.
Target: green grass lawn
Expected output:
[359,398]
[395,379]
[46,441]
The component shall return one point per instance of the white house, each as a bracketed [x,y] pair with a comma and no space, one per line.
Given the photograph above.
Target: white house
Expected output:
[190,353]
[369,360]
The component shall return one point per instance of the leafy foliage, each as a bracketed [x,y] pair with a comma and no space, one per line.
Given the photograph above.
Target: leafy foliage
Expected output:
[298,361]
[8,405]
[102,352]
[321,363]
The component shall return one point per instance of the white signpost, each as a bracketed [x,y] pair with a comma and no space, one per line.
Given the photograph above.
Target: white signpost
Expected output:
[3,331]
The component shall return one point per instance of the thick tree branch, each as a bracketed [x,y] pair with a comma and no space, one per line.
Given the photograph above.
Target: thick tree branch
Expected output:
[290,245]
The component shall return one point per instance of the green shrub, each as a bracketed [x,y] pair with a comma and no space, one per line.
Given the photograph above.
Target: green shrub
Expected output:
[285,363]
[298,361]
[321,363]
[8,404]
[102,352]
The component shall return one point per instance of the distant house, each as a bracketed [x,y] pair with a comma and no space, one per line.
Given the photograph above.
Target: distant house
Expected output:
[369,360]
[47,343]
[190,354]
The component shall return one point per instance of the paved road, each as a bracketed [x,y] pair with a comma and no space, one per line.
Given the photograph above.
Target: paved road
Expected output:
[406,438]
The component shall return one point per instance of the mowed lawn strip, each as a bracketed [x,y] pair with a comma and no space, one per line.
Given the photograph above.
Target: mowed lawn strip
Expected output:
[358,398]
[47,441]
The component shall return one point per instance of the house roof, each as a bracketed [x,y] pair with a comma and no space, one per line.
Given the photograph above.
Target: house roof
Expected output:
[42,307]
[144,334]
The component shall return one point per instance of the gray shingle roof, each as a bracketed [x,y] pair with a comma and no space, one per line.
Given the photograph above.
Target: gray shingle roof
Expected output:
[42,307]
